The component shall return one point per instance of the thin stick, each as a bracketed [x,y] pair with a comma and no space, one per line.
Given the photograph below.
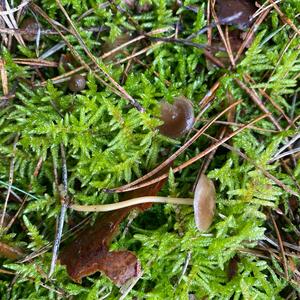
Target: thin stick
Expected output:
[293,140]
[63,210]
[131,202]
[252,94]
[281,247]
[3,75]
[293,151]
[35,62]
[250,33]
[11,222]
[241,124]
[131,286]
[186,264]
[11,178]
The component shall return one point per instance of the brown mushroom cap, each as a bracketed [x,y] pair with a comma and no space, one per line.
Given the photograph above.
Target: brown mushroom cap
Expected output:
[204,203]
[31,27]
[178,118]
[242,9]
[77,83]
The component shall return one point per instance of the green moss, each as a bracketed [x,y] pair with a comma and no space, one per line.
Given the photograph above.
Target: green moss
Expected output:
[109,143]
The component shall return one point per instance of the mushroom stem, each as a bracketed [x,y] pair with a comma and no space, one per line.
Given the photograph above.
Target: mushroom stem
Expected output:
[134,201]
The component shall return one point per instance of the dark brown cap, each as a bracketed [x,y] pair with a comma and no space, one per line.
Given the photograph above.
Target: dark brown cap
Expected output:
[30,26]
[178,118]
[77,83]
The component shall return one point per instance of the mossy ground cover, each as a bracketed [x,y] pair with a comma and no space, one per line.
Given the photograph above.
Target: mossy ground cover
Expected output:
[251,250]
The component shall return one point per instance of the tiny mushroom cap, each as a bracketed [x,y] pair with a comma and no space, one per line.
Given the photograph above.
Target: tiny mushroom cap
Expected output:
[204,203]
[31,27]
[178,118]
[235,12]
[77,83]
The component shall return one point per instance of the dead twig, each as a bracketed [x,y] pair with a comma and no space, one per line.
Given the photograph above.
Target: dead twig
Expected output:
[3,75]
[221,33]
[253,95]
[35,62]
[11,178]
[250,33]
[65,202]
[281,246]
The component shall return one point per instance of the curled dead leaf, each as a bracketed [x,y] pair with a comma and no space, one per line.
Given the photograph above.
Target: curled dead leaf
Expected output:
[89,252]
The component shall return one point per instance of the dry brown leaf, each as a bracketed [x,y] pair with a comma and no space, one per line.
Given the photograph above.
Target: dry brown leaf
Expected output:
[89,252]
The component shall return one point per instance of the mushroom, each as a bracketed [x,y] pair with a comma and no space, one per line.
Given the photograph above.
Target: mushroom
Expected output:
[235,12]
[203,202]
[178,118]
[31,27]
[77,83]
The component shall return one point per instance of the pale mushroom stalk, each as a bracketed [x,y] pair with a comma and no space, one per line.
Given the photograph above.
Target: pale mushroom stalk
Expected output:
[203,203]
[131,202]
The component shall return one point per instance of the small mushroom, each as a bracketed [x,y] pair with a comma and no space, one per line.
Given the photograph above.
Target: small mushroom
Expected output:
[30,26]
[203,202]
[236,12]
[77,83]
[178,118]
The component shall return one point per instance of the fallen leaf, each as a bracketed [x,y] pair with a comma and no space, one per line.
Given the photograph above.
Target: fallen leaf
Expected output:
[235,12]
[89,252]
